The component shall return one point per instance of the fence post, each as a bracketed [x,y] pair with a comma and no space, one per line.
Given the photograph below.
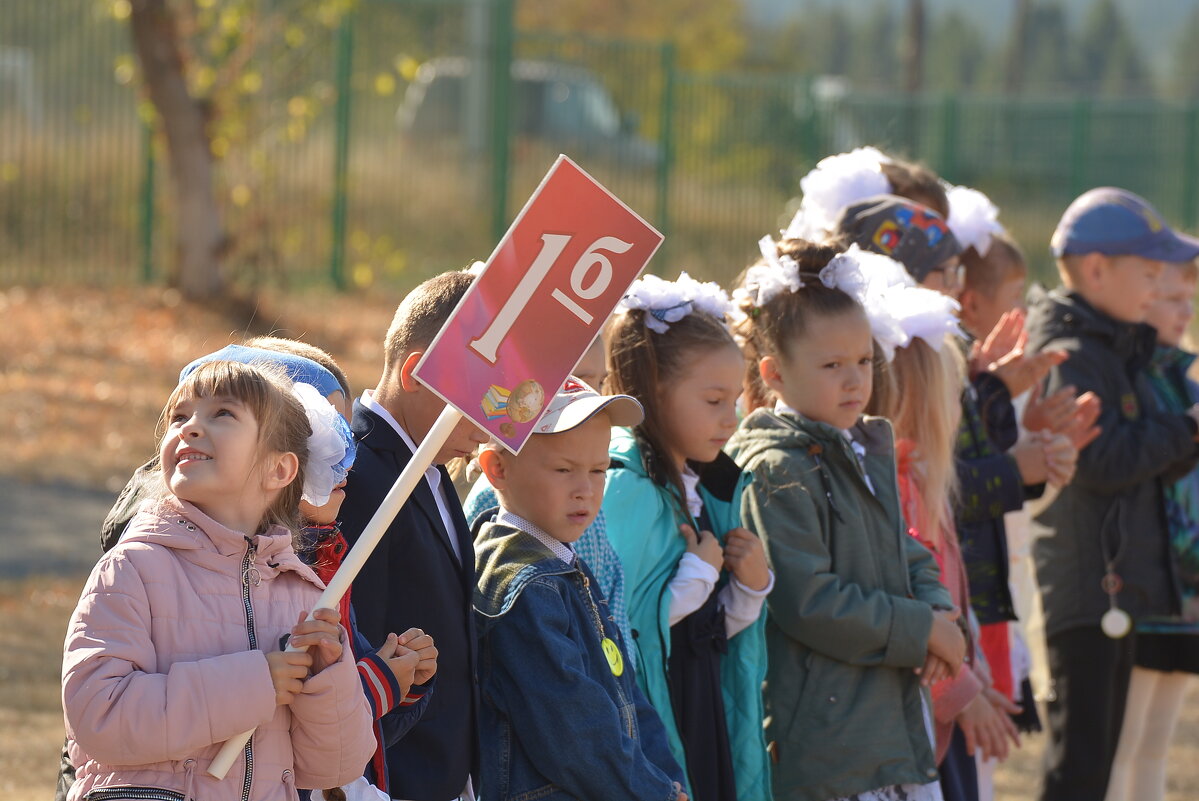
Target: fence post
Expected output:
[1080,146]
[1190,164]
[949,137]
[146,210]
[501,129]
[341,150]
[665,138]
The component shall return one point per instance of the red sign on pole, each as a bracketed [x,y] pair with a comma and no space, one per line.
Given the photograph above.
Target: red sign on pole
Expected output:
[541,300]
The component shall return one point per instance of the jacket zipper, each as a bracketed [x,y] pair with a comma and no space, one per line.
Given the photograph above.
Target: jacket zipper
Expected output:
[139,793]
[602,633]
[249,575]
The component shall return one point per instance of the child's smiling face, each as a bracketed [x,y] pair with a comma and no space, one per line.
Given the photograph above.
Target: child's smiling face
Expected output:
[828,374]
[210,458]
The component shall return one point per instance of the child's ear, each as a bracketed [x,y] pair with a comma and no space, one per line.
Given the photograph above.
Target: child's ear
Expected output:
[968,300]
[768,369]
[491,462]
[1093,268]
[281,470]
[407,382]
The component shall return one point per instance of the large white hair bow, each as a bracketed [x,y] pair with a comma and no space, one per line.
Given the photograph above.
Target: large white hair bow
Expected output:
[331,447]
[764,282]
[834,183]
[898,309]
[666,302]
[973,218]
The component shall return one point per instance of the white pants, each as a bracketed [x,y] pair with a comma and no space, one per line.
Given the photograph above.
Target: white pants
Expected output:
[1150,714]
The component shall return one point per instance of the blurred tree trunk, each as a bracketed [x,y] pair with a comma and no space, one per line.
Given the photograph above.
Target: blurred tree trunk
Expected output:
[199,234]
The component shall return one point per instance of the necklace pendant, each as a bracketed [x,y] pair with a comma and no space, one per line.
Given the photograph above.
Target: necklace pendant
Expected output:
[1116,623]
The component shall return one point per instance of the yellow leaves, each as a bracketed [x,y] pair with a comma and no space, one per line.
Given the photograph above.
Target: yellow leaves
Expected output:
[219,147]
[299,106]
[374,257]
[146,112]
[120,9]
[363,275]
[294,36]
[251,82]
[123,69]
[202,79]
[407,66]
[9,172]
[385,84]
[231,20]
[300,110]
[240,195]
[395,264]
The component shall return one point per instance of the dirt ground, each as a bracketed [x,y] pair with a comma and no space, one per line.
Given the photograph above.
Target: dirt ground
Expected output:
[83,374]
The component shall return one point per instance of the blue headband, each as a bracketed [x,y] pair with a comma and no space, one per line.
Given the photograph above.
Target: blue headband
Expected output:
[298,368]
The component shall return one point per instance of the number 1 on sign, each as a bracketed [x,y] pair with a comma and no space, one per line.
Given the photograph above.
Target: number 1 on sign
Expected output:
[552,246]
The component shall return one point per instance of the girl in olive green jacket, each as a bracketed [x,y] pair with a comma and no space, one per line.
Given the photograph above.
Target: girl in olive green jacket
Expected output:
[858,620]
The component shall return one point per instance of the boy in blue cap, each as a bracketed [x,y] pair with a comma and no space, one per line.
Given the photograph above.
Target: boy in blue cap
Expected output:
[1101,547]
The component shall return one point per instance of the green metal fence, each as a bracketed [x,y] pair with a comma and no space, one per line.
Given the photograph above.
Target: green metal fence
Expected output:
[400,139]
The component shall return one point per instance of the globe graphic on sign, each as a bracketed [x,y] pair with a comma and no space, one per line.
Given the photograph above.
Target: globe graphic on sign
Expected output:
[526,401]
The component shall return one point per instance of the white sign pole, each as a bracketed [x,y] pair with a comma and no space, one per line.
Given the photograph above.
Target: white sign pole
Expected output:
[356,558]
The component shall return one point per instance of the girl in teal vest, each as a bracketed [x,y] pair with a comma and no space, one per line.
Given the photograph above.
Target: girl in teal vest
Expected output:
[695,580]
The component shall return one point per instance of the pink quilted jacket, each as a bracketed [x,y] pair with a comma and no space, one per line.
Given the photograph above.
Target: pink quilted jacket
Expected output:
[165,660]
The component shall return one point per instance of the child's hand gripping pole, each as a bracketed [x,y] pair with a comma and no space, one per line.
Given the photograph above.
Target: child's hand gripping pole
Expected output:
[356,558]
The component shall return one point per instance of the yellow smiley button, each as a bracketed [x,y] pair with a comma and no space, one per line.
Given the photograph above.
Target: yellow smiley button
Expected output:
[612,652]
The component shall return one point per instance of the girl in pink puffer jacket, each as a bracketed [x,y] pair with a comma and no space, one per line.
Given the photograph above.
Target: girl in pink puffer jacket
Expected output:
[176,644]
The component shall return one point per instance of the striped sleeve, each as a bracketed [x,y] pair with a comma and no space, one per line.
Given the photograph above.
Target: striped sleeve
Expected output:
[415,693]
[380,685]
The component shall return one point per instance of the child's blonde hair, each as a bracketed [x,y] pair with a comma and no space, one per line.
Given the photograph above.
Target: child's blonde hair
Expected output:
[282,422]
[925,407]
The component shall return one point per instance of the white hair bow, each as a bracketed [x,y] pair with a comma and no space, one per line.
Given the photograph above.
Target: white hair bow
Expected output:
[836,182]
[898,309]
[666,302]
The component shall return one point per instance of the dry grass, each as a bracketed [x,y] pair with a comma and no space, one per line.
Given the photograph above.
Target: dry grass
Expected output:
[83,374]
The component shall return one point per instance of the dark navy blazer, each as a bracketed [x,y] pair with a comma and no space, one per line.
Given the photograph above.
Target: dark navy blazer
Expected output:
[413,579]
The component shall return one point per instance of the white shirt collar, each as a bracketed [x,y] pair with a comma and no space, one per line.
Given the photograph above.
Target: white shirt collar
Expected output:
[780,408]
[695,504]
[432,473]
[558,548]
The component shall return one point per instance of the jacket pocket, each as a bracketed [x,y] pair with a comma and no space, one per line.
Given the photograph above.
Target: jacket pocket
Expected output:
[547,791]
[130,792]
[830,691]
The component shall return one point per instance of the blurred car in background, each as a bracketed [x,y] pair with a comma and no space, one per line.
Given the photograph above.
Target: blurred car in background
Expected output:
[560,106]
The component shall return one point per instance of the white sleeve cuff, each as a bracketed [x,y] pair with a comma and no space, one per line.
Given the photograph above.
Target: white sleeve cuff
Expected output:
[742,606]
[691,586]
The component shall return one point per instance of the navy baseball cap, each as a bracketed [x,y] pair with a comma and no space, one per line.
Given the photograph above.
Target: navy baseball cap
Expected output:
[1115,222]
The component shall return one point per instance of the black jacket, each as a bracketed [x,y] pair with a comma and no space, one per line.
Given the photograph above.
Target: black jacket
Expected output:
[1113,510]
[989,485]
[413,579]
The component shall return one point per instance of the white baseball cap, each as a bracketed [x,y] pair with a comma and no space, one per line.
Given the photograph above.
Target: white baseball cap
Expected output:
[576,403]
